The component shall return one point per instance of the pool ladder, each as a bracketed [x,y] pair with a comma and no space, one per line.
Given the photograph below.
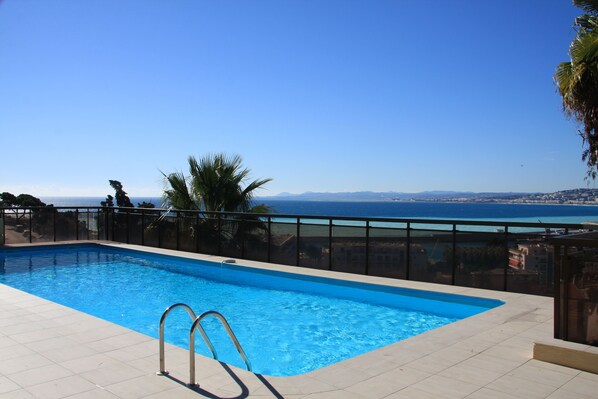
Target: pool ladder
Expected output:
[197,326]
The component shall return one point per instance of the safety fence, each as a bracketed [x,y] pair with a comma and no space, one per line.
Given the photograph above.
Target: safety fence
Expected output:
[508,256]
[576,296]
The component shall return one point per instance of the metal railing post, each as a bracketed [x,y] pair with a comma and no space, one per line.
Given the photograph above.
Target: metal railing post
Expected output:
[3,227]
[367,247]
[143,227]
[77,224]
[243,237]
[558,291]
[506,248]
[329,244]
[128,228]
[159,220]
[564,310]
[298,242]
[408,252]
[30,225]
[454,257]
[113,222]
[178,227]
[219,233]
[269,250]
[106,226]
[197,217]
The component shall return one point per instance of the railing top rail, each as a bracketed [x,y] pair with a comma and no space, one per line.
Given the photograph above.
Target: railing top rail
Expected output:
[303,217]
[19,208]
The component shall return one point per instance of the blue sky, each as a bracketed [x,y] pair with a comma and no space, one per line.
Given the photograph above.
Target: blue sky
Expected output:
[318,95]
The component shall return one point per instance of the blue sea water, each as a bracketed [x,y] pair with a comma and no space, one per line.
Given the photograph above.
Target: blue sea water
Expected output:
[390,209]
[287,324]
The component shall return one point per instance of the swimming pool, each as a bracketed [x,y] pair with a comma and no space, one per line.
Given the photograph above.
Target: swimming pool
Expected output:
[287,323]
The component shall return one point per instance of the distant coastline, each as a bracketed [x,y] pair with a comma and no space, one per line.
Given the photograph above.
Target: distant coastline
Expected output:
[581,196]
[449,210]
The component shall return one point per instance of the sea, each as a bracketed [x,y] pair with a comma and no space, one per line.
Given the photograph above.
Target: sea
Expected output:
[542,213]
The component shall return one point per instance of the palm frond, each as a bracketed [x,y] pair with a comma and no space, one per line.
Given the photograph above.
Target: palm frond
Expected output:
[590,6]
[584,50]
[217,182]
[176,192]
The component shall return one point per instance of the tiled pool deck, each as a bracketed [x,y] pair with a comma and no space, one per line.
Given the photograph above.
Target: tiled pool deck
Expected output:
[51,351]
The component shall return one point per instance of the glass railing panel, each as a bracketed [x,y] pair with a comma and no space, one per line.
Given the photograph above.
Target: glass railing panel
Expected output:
[42,225]
[314,244]
[479,259]
[255,240]
[135,227]
[82,223]
[168,232]
[151,230]
[66,225]
[531,263]
[429,256]
[119,226]
[94,225]
[104,220]
[283,242]
[581,280]
[188,232]
[208,234]
[16,226]
[231,240]
[348,248]
[387,255]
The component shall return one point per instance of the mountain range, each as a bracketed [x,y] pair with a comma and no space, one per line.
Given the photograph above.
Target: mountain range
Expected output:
[581,195]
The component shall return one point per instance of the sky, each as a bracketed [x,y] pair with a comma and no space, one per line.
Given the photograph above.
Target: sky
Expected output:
[319,95]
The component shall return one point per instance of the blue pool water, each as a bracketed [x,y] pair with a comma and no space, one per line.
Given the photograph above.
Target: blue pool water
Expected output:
[288,324]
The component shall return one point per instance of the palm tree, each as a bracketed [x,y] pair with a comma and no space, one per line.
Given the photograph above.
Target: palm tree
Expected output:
[216,183]
[577,81]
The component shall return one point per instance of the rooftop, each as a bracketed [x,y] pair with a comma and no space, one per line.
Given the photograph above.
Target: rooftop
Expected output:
[50,351]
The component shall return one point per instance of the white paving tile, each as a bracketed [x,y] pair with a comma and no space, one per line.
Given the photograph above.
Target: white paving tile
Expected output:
[111,374]
[486,393]
[563,394]
[582,385]
[541,375]
[61,388]
[40,375]
[444,387]
[22,363]
[7,385]
[474,375]
[18,394]
[140,387]
[521,388]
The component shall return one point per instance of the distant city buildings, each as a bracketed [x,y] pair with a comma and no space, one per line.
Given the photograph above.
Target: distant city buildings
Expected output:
[531,256]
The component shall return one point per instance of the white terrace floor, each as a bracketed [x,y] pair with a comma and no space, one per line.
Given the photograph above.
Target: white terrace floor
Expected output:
[51,351]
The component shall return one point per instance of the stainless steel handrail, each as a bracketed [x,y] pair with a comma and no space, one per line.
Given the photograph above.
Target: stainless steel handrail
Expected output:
[163,320]
[231,334]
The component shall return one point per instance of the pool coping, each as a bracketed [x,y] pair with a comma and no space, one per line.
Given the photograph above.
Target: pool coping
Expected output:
[480,356]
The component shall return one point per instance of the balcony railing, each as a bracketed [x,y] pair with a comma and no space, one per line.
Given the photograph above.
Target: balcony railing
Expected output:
[506,256]
[576,297]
